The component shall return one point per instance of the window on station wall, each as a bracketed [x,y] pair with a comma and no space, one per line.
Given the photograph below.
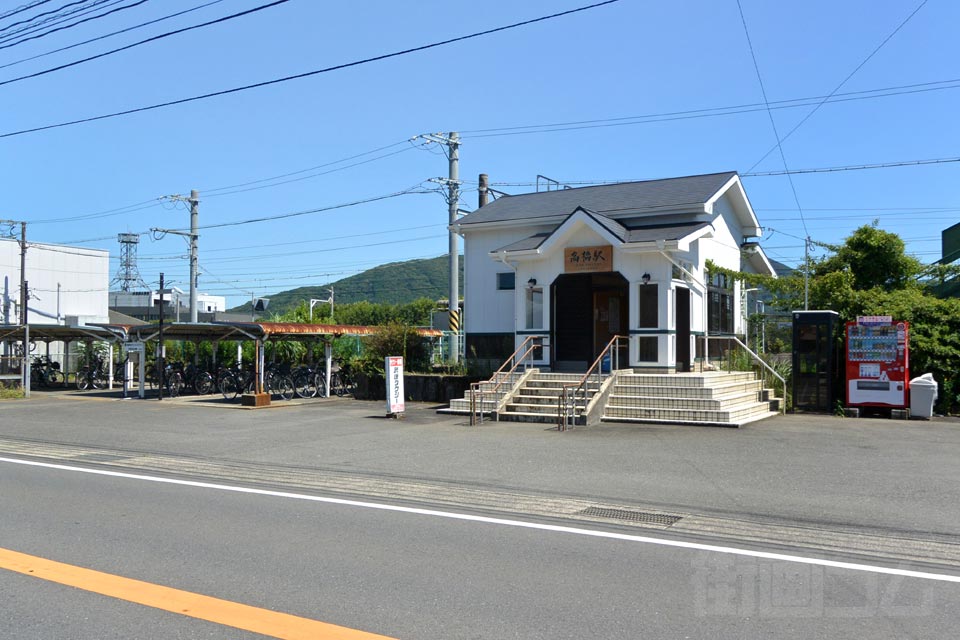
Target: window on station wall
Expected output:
[720,304]
[506,281]
[649,306]
[647,348]
[534,308]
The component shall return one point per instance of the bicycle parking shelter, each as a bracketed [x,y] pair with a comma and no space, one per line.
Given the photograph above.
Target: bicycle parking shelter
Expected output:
[257,332]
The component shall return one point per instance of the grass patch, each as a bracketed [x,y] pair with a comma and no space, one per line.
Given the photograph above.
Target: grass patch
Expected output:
[8,393]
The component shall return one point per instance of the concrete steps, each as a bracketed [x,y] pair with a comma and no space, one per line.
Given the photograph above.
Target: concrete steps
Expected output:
[537,399]
[709,399]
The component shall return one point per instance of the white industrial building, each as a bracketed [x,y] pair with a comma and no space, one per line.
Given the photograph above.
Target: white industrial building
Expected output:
[575,267]
[67,285]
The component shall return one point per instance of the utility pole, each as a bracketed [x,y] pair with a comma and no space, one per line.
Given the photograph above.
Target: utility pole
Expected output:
[159,363]
[452,181]
[192,236]
[194,216]
[24,296]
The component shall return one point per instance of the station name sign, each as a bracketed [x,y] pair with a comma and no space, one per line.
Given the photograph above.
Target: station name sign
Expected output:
[588,259]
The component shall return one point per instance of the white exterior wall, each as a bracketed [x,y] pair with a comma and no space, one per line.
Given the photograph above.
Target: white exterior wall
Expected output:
[489,310]
[725,252]
[83,276]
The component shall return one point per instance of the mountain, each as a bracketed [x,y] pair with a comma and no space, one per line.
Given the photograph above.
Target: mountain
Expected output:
[393,283]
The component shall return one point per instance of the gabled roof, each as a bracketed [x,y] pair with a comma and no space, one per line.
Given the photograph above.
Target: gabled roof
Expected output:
[659,229]
[613,200]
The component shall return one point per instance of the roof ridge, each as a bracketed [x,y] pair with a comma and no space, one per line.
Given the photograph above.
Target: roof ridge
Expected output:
[626,182]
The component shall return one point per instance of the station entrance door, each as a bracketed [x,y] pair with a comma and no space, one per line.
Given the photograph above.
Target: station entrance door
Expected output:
[588,310]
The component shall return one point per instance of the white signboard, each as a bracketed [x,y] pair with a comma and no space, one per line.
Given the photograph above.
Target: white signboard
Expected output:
[393,365]
[134,347]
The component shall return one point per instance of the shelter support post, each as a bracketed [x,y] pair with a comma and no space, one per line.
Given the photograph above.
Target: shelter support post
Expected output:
[328,361]
[25,367]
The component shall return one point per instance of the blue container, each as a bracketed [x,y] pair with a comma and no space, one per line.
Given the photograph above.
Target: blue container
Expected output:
[605,364]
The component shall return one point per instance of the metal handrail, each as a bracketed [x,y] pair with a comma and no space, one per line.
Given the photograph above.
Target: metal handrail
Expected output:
[476,390]
[756,358]
[565,407]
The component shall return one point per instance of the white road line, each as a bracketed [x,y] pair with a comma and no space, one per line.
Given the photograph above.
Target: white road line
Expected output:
[503,522]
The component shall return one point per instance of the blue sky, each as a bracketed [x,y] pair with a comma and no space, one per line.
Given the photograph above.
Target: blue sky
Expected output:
[628,59]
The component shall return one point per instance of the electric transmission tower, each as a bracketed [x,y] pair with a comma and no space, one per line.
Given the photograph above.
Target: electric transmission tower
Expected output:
[129,275]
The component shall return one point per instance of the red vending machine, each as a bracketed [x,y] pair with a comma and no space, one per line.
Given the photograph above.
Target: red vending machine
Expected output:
[878,356]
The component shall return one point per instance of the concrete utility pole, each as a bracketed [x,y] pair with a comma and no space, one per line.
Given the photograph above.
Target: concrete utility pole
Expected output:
[159,360]
[192,236]
[24,295]
[194,215]
[453,199]
[452,181]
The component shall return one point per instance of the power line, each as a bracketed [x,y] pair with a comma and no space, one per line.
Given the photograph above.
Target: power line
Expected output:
[713,112]
[53,13]
[843,82]
[145,41]
[307,177]
[306,74]
[773,122]
[26,35]
[22,8]
[857,167]
[74,24]
[110,35]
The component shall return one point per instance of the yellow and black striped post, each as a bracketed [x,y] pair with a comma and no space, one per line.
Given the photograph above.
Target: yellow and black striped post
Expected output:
[455,320]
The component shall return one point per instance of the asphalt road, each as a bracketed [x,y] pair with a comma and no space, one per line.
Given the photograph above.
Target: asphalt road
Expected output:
[414,575]
[877,493]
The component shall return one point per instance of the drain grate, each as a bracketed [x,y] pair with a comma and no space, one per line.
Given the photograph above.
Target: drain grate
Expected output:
[632,516]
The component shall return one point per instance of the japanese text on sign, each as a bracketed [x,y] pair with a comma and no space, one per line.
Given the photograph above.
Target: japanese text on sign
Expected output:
[578,259]
[393,365]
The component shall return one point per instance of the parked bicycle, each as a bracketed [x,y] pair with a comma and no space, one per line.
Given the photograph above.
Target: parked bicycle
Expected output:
[45,372]
[92,376]
[341,380]
[309,381]
[277,381]
[233,382]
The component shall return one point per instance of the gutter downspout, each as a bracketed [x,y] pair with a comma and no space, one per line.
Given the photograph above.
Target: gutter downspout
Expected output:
[503,259]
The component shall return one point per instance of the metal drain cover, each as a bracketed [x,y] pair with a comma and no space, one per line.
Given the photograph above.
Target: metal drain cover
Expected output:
[632,516]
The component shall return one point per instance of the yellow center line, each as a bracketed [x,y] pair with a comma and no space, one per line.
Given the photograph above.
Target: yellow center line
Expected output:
[194,605]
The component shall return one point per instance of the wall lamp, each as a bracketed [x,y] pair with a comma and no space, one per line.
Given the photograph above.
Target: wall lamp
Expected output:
[532,282]
[646,278]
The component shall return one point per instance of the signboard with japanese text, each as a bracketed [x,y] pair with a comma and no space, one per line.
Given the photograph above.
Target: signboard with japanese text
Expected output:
[134,347]
[393,366]
[584,259]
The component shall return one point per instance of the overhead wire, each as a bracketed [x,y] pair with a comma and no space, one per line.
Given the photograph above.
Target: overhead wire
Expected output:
[109,35]
[155,38]
[22,8]
[842,82]
[773,122]
[27,35]
[71,26]
[53,13]
[306,74]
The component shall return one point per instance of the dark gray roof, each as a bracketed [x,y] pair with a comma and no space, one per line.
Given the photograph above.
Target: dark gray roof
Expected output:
[665,228]
[615,200]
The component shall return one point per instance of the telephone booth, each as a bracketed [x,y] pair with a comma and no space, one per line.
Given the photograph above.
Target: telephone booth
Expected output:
[814,360]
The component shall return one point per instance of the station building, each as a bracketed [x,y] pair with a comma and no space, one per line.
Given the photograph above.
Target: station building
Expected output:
[576,267]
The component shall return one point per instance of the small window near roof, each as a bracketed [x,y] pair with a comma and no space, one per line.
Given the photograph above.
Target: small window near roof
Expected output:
[506,281]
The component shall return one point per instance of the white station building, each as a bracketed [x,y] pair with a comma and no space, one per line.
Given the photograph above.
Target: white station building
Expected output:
[576,267]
